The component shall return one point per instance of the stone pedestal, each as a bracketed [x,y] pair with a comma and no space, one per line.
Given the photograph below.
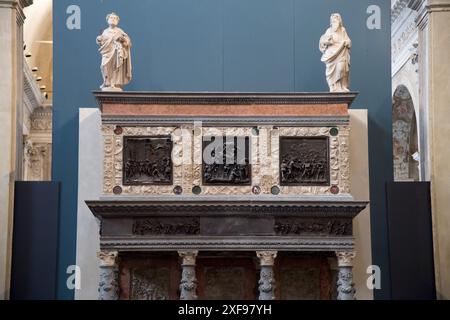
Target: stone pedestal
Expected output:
[267,278]
[188,284]
[109,275]
[345,285]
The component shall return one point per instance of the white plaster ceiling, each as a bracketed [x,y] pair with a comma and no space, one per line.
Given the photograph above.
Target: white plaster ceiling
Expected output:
[38,37]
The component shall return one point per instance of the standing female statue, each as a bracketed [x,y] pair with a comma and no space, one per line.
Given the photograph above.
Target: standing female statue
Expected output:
[115,48]
[335,46]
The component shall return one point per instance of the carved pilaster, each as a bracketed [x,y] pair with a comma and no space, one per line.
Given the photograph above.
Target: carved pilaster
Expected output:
[188,284]
[267,278]
[109,275]
[345,285]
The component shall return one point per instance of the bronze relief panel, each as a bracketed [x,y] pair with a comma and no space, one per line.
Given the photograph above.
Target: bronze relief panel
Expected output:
[226,161]
[304,161]
[147,160]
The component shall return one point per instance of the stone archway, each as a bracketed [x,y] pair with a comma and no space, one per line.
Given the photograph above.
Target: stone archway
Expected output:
[405,142]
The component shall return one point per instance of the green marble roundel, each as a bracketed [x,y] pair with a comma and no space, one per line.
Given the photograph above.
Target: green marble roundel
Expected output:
[275,190]
[334,132]
[196,190]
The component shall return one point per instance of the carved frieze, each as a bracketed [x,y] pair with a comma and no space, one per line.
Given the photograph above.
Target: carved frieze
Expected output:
[174,226]
[304,161]
[330,227]
[147,160]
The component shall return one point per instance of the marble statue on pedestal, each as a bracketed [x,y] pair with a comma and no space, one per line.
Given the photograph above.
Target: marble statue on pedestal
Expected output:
[115,48]
[335,45]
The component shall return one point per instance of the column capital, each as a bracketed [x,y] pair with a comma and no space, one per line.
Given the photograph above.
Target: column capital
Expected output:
[188,256]
[345,258]
[267,258]
[108,258]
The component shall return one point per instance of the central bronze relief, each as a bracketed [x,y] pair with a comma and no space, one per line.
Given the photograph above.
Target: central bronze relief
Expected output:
[226,161]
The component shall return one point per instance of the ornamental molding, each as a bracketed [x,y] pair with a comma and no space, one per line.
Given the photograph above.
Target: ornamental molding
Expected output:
[397,8]
[209,98]
[305,121]
[33,97]
[252,208]
[228,244]
[41,119]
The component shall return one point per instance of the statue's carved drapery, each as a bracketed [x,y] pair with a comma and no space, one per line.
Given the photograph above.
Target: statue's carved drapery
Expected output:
[335,45]
[115,49]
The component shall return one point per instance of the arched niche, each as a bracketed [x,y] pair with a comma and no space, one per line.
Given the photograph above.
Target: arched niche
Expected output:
[405,140]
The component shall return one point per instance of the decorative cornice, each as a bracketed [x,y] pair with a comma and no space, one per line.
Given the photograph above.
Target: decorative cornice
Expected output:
[170,208]
[230,244]
[397,8]
[31,89]
[227,121]
[41,119]
[210,98]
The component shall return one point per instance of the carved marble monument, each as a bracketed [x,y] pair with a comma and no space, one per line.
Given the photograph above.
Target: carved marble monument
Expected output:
[196,178]
[115,48]
[335,45]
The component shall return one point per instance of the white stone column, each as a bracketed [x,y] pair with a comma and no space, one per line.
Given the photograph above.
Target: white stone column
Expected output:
[109,275]
[434,46]
[11,88]
[345,285]
[267,277]
[188,284]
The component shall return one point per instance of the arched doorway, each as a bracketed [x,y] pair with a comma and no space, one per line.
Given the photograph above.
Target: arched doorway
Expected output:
[405,143]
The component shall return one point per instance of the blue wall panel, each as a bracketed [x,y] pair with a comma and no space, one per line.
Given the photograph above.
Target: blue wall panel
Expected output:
[220,45]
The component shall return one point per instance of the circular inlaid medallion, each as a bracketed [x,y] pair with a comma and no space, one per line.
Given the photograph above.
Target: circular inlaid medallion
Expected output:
[196,190]
[117,190]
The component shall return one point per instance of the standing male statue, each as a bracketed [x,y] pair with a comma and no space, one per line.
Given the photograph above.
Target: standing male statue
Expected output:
[115,48]
[335,46]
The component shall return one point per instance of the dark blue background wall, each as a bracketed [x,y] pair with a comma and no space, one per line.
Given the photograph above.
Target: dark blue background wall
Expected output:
[220,45]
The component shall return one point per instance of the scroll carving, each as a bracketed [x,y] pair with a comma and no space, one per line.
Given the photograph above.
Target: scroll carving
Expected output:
[166,227]
[313,226]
